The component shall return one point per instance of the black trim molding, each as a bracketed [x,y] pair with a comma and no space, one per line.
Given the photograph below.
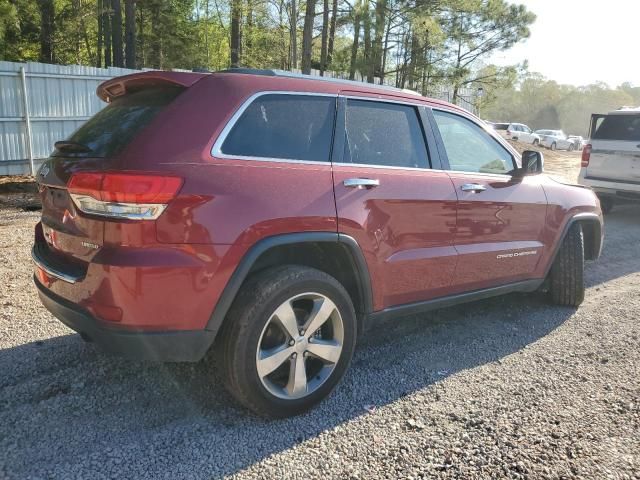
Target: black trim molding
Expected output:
[242,270]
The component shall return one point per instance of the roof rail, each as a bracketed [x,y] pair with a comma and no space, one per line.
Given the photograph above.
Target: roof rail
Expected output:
[284,73]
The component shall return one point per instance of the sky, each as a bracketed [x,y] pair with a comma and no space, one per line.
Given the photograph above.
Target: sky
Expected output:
[581,41]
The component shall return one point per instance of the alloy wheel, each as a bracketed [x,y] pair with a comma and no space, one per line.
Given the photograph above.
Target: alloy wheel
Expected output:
[300,345]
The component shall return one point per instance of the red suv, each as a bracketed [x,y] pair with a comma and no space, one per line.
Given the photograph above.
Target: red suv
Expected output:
[271,217]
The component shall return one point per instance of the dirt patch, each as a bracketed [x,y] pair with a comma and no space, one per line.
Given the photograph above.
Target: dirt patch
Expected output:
[19,191]
[556,162]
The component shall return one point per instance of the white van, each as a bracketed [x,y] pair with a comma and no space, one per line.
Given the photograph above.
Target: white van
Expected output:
[611,158]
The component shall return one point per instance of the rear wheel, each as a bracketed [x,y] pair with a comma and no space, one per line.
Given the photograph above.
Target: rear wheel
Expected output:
[572,147]
[287,341]
[553,146]
[536,142]
[566,279]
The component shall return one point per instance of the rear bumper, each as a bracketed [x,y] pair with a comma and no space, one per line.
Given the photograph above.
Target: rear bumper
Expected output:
[629,190]
[165,346]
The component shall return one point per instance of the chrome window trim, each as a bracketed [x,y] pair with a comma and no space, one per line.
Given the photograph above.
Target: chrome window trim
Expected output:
[501,141]
[386,100]
[216,150]
[388,167]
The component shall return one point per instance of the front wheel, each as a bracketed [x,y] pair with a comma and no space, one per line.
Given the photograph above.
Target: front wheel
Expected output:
[566,279]
[553,146]
[287,341]
[536,142]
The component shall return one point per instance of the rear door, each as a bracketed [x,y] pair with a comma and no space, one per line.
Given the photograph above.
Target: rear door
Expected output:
[500,218]
[389,198]
[615,153]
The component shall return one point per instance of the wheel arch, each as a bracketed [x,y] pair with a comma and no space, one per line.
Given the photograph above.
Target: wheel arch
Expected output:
[592,230]
[335,254]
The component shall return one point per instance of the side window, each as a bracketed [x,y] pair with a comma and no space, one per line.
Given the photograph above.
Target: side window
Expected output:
[291,127]
[469,148]
[385,134]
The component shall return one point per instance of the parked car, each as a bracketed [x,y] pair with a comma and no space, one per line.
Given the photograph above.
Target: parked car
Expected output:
[578,141]
[517,132]
[611,159]
[274,217]
[555,140]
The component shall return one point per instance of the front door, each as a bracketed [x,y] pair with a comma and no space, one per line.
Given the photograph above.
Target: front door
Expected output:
[400,211]
[500,218]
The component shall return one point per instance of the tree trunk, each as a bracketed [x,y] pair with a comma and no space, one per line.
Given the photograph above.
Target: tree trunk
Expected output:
[106,29]
[332,31]
[47,30]
[377,66]
[294,34]
[141,38]
[356,40]
[116,33]
[325,34]
[368,60]
[307,36]
[385,49]
[413,59]
[130,32]
[236,16]
[206,32]
[248,33]
[100,34]
[156,36]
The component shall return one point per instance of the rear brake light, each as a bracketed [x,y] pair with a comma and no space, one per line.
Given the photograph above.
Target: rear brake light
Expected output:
[123,195]
[586,156]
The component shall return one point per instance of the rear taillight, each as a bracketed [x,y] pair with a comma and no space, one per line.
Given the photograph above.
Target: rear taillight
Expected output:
[586,155]
[508,133]
[123,195]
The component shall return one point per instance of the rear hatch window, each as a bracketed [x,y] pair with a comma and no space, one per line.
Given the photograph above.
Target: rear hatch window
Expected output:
[501,126]
[111,129]
[618,127]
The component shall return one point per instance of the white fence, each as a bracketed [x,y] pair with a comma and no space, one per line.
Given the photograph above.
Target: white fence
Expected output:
[41,104]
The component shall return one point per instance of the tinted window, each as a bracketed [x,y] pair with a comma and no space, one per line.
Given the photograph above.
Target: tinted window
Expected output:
[619,127]
[295,127]
[384,134]
[111,129]
[501,126]
[469,148]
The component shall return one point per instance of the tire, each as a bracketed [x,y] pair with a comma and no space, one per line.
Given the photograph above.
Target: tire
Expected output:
[572,147]
[606,204]
[553,146]
[536,142]
[566,279]
[253,322]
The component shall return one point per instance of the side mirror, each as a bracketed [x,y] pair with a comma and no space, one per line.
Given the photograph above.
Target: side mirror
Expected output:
[532,163]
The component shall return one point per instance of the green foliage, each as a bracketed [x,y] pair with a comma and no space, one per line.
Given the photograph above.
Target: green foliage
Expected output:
[542,103]
[426,45]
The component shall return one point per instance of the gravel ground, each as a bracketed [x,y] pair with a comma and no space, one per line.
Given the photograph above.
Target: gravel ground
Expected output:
[504,388]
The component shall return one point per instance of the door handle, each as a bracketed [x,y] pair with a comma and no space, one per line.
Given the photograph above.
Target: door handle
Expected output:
[473,187]
[361,183]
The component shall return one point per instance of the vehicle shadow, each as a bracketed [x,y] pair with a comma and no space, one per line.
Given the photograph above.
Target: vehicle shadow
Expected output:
[621,250]
[75,411]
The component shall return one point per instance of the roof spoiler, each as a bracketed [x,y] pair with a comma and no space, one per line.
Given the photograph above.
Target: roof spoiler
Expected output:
[118,86]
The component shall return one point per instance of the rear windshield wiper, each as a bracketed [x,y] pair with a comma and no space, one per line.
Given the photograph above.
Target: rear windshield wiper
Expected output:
[68,146]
